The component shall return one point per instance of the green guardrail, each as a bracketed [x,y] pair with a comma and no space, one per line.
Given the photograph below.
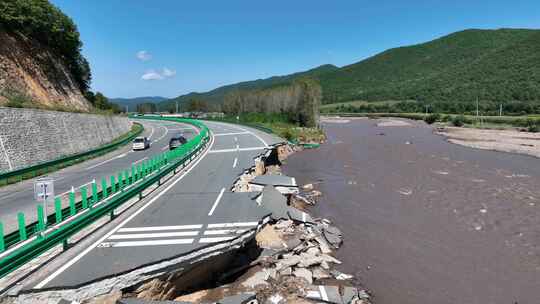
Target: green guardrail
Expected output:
[93,203]
[53,165]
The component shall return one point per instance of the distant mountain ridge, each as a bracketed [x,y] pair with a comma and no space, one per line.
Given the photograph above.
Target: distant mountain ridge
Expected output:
[217,95]
[132,103]
[492,65]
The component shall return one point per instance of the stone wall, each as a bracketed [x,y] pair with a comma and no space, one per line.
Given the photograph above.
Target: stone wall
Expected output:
[30,136]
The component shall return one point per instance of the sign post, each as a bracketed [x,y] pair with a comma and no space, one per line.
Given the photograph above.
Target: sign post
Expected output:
[44,192]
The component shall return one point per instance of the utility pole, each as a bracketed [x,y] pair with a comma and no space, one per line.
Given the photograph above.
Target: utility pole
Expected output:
[477,114]
[500,110]
[127,109]
[177,107]
[427,106]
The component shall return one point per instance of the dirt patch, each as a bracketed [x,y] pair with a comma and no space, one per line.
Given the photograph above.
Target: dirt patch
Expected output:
[511,141]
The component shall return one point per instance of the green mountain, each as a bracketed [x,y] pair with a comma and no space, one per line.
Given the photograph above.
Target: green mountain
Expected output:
[132,103]
[492,65]
[216,96]
[448,74]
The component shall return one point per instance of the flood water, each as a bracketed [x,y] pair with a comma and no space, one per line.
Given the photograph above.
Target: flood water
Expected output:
[426,221]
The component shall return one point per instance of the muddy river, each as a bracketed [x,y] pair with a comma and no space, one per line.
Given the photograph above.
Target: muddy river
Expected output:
[426,221]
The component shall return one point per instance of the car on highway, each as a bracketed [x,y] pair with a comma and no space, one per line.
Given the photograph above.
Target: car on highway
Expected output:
[141,143]
[176,141]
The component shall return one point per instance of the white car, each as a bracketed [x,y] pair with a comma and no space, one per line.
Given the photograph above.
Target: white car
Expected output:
[141,143]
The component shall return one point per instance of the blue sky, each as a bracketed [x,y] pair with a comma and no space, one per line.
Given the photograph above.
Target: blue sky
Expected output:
[172,47]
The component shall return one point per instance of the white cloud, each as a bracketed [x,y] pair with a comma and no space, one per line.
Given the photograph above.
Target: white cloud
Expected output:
[156,75]
[168,73]
[143,55]
[152,75]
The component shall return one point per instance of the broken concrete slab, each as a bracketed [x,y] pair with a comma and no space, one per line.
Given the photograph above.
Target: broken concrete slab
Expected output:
[282,183]
[299,216]
[274,201]
[140,301]
[243,298]
[304,274]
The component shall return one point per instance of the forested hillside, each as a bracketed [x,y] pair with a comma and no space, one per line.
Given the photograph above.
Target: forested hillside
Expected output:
[491,65]
[496,67]
[217,96]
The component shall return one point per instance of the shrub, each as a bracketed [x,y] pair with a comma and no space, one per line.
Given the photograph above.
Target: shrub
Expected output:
[458,120]
[431,118]
[533,128]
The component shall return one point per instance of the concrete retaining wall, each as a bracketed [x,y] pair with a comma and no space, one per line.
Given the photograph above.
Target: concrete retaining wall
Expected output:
[30,136]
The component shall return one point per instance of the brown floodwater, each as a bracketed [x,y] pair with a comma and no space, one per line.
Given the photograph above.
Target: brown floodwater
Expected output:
[426,221]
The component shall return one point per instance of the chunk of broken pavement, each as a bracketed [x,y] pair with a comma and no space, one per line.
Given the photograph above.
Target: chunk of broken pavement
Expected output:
[320,273]
[307,187]
[304,274]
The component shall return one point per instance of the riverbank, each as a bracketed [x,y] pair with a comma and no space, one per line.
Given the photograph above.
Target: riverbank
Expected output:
[424,220]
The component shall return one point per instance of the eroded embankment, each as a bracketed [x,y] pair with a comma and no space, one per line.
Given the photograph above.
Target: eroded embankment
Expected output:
[288,258]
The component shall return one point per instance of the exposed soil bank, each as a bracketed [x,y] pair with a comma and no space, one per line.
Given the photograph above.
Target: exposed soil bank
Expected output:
[426,221]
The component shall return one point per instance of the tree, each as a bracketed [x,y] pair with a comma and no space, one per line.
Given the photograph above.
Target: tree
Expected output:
[147,107]
[196,105]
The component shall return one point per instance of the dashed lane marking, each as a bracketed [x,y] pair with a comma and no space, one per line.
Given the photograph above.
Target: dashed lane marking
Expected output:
[237,150]
[235,162]
[230,134]
[216,202]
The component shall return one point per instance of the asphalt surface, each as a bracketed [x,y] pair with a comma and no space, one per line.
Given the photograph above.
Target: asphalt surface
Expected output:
[195,209]
[426,221]
[20,197]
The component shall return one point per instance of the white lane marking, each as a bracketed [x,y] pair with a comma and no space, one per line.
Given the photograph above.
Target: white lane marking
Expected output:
[252,133]
[224,231]
[151,132]
[303,217]
[180,129]
[237,147]
[230,134]
[152,235]
[64,193]
[229,225]
[159,228]
[216,202]
[107,235]
[322,290]
[235,162]
[235,139]
[164,134]
[294,181]
[165,148]
[237,150]
[140,160]
[147,243]
[106,161]
[216,239]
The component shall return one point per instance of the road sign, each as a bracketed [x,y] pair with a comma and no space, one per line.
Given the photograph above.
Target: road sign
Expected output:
[44,190]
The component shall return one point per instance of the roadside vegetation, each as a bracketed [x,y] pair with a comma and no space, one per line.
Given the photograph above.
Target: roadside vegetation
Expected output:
[44,22]
[101,104]
[280,124]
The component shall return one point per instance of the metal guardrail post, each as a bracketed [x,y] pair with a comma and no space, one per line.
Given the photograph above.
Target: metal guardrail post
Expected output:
[113,184]
[84,197]
[104,188]
[72,210]
[120,180]
[22,226]
[2,242]
[41,218]
[94,192]
[58,210]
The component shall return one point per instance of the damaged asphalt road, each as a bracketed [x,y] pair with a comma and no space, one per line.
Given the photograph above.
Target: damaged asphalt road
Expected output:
[193,212]
[197,242]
